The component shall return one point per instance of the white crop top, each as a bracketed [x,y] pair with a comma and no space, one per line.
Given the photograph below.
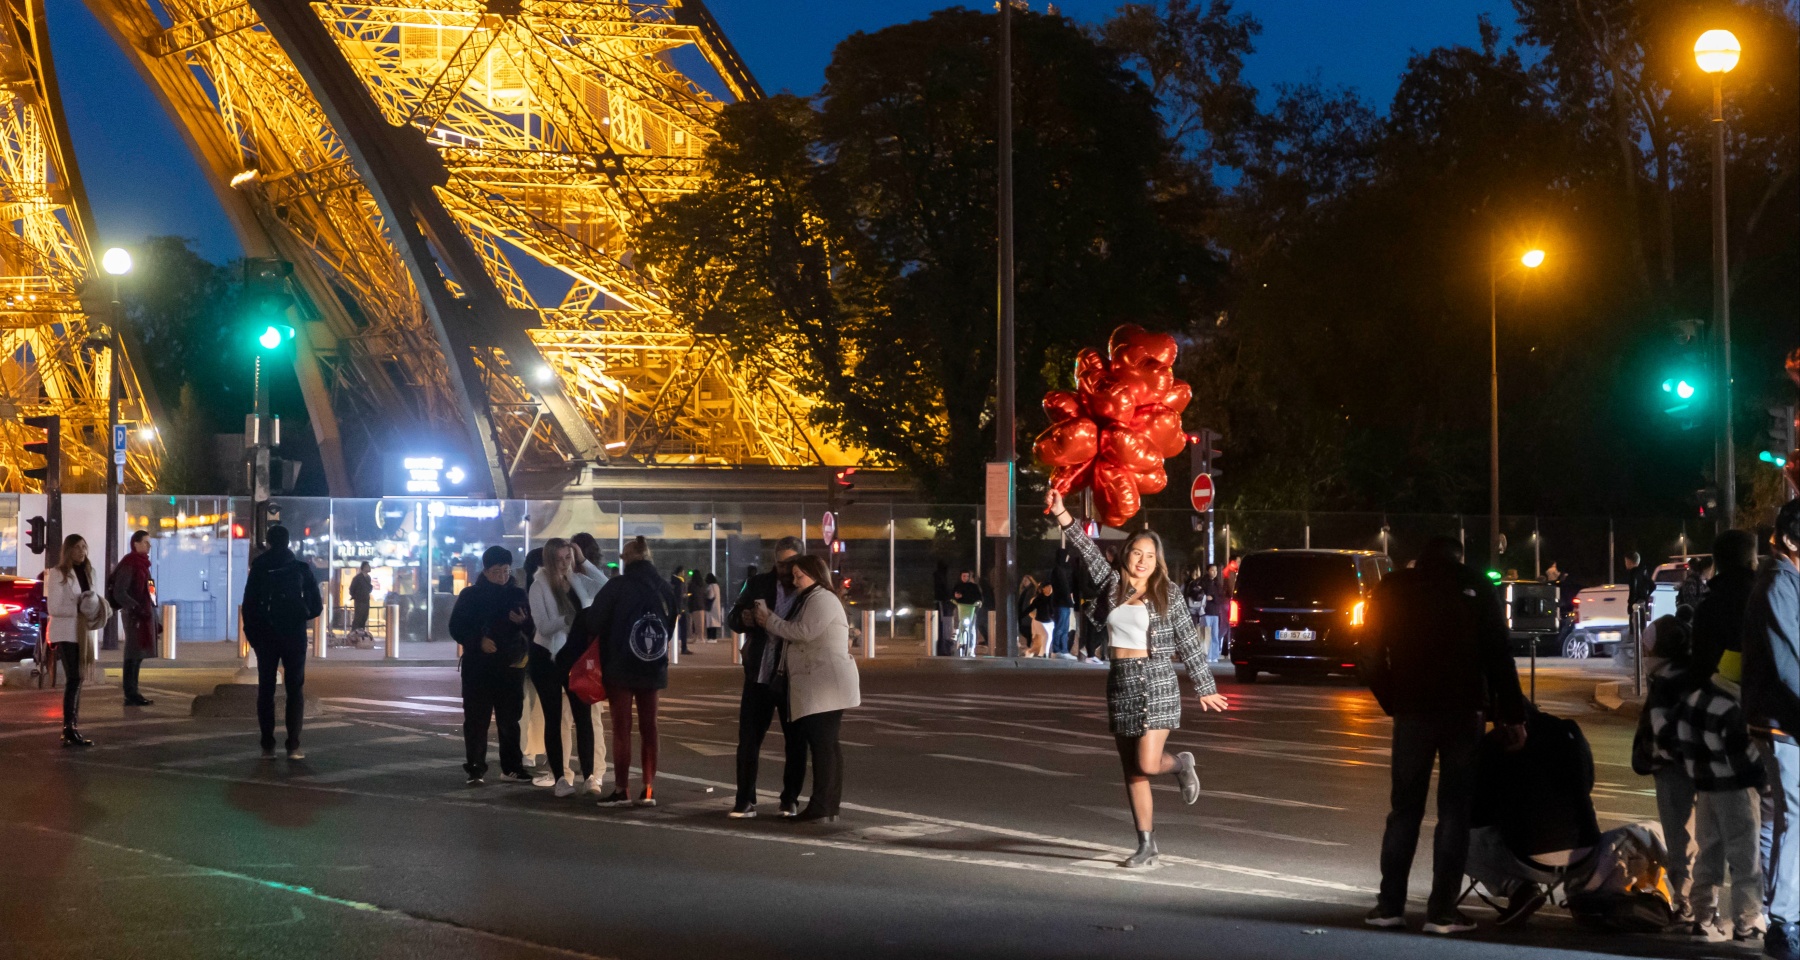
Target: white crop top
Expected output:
[1128,627]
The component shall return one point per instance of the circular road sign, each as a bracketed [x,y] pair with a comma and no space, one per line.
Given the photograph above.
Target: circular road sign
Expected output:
[1202,492]
[828,526]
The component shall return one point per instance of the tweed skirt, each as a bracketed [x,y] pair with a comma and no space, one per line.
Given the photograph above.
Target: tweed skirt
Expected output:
[1142,694]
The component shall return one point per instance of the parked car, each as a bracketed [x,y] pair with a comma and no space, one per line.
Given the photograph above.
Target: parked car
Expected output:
[1530,608]
[21,617]
[1301,611]
[1602,620]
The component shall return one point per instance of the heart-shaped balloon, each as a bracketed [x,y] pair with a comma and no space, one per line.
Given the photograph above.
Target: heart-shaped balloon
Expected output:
[1134,346]
[1060,405]
[1163,427]
[1113,399]
[1128,448]
[1069,443]
[1090,366]
[1152,481]
[1065,479]
[1152,382]
[1177,396]
[1116,497]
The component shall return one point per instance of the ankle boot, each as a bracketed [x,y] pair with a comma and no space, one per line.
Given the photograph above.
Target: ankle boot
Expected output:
[72,738]
[1146,851]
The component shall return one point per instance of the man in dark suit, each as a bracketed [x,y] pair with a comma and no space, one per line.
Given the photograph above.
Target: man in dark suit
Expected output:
[759,704]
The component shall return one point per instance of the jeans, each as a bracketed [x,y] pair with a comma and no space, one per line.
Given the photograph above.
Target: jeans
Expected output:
[756,709]
[817,734]
[1780,855]
[1726,824]
[1675,808]
[68,658]
[1059,633]
[1215,641]
[496,694]
[551,685]
[1419,739]
[290,656]
[619,700]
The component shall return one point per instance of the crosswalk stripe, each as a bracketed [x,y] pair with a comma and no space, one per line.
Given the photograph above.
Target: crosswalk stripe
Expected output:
[241,755]
[44,729]
[359,773]
[1023,767]
[396,704]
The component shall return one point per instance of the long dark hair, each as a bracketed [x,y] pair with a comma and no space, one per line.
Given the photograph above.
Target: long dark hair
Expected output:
[816,570]
[68,569]
[1156,587]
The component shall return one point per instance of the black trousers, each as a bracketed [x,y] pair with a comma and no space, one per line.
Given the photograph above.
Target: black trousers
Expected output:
[756,708]
[131,678]
[497,694]
[816,734]
[1418,740]
[68,659]
[290,656]
[552,686]
[359,615]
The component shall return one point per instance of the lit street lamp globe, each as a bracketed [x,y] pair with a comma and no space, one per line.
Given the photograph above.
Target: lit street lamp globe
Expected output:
[116,261]
[1717,51]
[1533,259]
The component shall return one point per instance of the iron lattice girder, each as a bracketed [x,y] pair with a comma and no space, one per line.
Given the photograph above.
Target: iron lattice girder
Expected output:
[53,358]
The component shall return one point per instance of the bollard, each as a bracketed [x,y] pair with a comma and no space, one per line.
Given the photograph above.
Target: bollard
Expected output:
[993,634]
[166,644]
[393,635]
[737,648]
[932,628]
[244,652]
[321,637]
[868,628]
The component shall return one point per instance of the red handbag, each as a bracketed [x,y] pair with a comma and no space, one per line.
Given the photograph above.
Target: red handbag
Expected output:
[585,680]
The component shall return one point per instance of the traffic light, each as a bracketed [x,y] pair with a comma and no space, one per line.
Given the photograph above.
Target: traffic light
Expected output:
[1205,451]
[1707,499]
[38,534]
[266,301]
[1683,393]
[842,482]
[270,336]
[1782,442]
[50,448]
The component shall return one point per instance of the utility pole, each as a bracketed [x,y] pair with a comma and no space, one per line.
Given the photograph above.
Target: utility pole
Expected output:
[1722,306]
[1006,560]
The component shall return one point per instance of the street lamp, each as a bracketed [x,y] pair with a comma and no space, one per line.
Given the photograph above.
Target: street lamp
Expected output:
[116,262]
[1717,52]
[1531,260]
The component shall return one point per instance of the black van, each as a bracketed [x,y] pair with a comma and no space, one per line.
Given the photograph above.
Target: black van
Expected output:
[1301,611]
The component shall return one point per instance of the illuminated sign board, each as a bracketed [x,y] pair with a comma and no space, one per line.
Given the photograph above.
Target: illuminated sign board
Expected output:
[428,475]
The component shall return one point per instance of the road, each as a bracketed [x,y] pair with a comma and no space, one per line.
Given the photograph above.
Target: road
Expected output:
[984,819]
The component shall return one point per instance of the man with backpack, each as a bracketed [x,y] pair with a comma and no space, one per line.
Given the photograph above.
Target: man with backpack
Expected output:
[491,623]
[280,598]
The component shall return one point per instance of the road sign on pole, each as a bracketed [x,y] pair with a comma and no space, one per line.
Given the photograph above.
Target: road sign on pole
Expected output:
[119,431]
[828,527]
[1201,493]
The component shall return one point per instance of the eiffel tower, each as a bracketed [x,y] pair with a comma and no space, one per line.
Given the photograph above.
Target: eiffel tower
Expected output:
[55,357]
[456,183]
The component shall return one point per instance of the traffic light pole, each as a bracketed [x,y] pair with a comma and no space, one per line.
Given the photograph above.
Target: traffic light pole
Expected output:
[259,462]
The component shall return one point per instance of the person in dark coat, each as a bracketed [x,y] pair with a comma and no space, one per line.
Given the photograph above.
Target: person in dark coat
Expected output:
[1719,620]
[491,624]
[281,597]
[1438,662]
[759,704]
[362,589]
[632,618]
[1640,580]
[1062,602]
[131,595]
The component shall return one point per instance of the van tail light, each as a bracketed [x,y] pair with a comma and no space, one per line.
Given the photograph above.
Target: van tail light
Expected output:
[1358,611]
[1232,615]
[8,609]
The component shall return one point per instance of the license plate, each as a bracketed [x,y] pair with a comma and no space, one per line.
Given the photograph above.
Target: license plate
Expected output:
[1293,634]
[1607,636]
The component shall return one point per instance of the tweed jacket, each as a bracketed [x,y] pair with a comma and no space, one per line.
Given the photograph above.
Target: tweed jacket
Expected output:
[1170,633]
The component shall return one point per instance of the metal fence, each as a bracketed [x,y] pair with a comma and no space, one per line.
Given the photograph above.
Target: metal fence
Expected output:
[423,551]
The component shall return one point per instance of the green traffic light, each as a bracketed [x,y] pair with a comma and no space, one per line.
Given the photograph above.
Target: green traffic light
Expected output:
[1494,575]
[1768,457]
[273,335]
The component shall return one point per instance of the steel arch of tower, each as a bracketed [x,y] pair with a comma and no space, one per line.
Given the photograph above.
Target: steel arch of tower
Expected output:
[54,358]
[458,182]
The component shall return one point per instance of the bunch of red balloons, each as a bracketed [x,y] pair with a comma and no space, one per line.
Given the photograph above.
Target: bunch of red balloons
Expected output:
[1124,417]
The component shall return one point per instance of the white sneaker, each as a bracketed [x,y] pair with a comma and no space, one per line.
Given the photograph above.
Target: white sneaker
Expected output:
[565,787]
[543,778]
[592,784]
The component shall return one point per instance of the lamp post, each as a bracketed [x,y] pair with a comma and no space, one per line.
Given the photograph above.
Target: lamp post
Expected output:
[116,261]
[1005,560]
[1531,260]
[1717,52]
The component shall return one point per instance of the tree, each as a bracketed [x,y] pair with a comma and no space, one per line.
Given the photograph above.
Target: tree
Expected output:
[852,240]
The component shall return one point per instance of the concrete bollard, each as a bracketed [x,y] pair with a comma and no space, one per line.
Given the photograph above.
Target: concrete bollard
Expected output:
[737,648]
[321,637]
[932,628]
[245,654]
[169,643]
[993,634]
[868,628]
[392,638]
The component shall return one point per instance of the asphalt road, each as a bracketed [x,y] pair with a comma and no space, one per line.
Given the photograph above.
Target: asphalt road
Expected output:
[985,818]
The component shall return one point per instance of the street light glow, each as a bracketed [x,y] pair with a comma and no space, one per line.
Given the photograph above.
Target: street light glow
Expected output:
[1533,258]
[1717,51]
[116,261]
[544,375]
[146,434]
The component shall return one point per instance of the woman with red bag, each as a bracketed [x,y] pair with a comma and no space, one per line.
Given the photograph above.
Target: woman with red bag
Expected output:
[558,594]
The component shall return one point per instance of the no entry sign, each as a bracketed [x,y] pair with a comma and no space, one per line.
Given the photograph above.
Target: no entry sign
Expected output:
[828,526]
[1202,492]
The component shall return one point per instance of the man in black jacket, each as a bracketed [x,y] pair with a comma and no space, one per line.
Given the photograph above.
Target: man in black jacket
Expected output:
[1772,708]
[491,624]
[1719,620]
[280,598]
[759,704]
[1437,660]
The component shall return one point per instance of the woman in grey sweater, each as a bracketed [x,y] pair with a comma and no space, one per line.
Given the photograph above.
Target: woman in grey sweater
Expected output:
[821,684]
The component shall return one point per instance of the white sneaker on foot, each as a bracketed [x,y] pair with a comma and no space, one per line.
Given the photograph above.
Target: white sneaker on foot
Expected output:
[592,784]
[543,778]
[565,787]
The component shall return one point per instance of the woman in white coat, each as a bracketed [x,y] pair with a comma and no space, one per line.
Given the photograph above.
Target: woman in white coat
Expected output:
[77,613]
[821,685]
[563,588]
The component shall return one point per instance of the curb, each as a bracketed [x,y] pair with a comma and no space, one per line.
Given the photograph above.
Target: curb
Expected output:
[1611,697]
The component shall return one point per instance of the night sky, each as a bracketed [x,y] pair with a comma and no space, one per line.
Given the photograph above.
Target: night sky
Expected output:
[142,181]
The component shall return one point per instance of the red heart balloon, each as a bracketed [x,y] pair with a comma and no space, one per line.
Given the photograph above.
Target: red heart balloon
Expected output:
[1090,366]
[1163,427]
[1134,346]
[1152,481]
[1060,405]
[1120,339]
[1153,382]
[1128,448]
[1065,479]
[1116,497]
[1177,396]
[1068,443]
[1112,399]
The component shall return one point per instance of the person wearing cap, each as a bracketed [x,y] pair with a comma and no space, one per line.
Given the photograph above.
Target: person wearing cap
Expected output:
[491,624]
[281,596]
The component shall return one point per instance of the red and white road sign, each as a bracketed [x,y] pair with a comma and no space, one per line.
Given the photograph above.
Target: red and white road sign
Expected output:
[828,526]
[1202,492]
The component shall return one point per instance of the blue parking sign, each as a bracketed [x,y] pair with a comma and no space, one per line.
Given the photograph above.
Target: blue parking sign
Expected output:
[119,444]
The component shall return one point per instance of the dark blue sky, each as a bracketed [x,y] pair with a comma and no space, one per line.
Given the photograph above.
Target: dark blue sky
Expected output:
[142,181]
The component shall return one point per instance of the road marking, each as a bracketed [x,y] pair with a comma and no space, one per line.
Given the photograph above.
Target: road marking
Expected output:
[215,735]
[45,729]
[1250,798]
[257,753]
[1022,767]
[381,769]
[457,700]
[1210,823]
[395,704]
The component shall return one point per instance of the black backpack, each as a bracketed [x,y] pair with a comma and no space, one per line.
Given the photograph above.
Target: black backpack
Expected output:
[285,599]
